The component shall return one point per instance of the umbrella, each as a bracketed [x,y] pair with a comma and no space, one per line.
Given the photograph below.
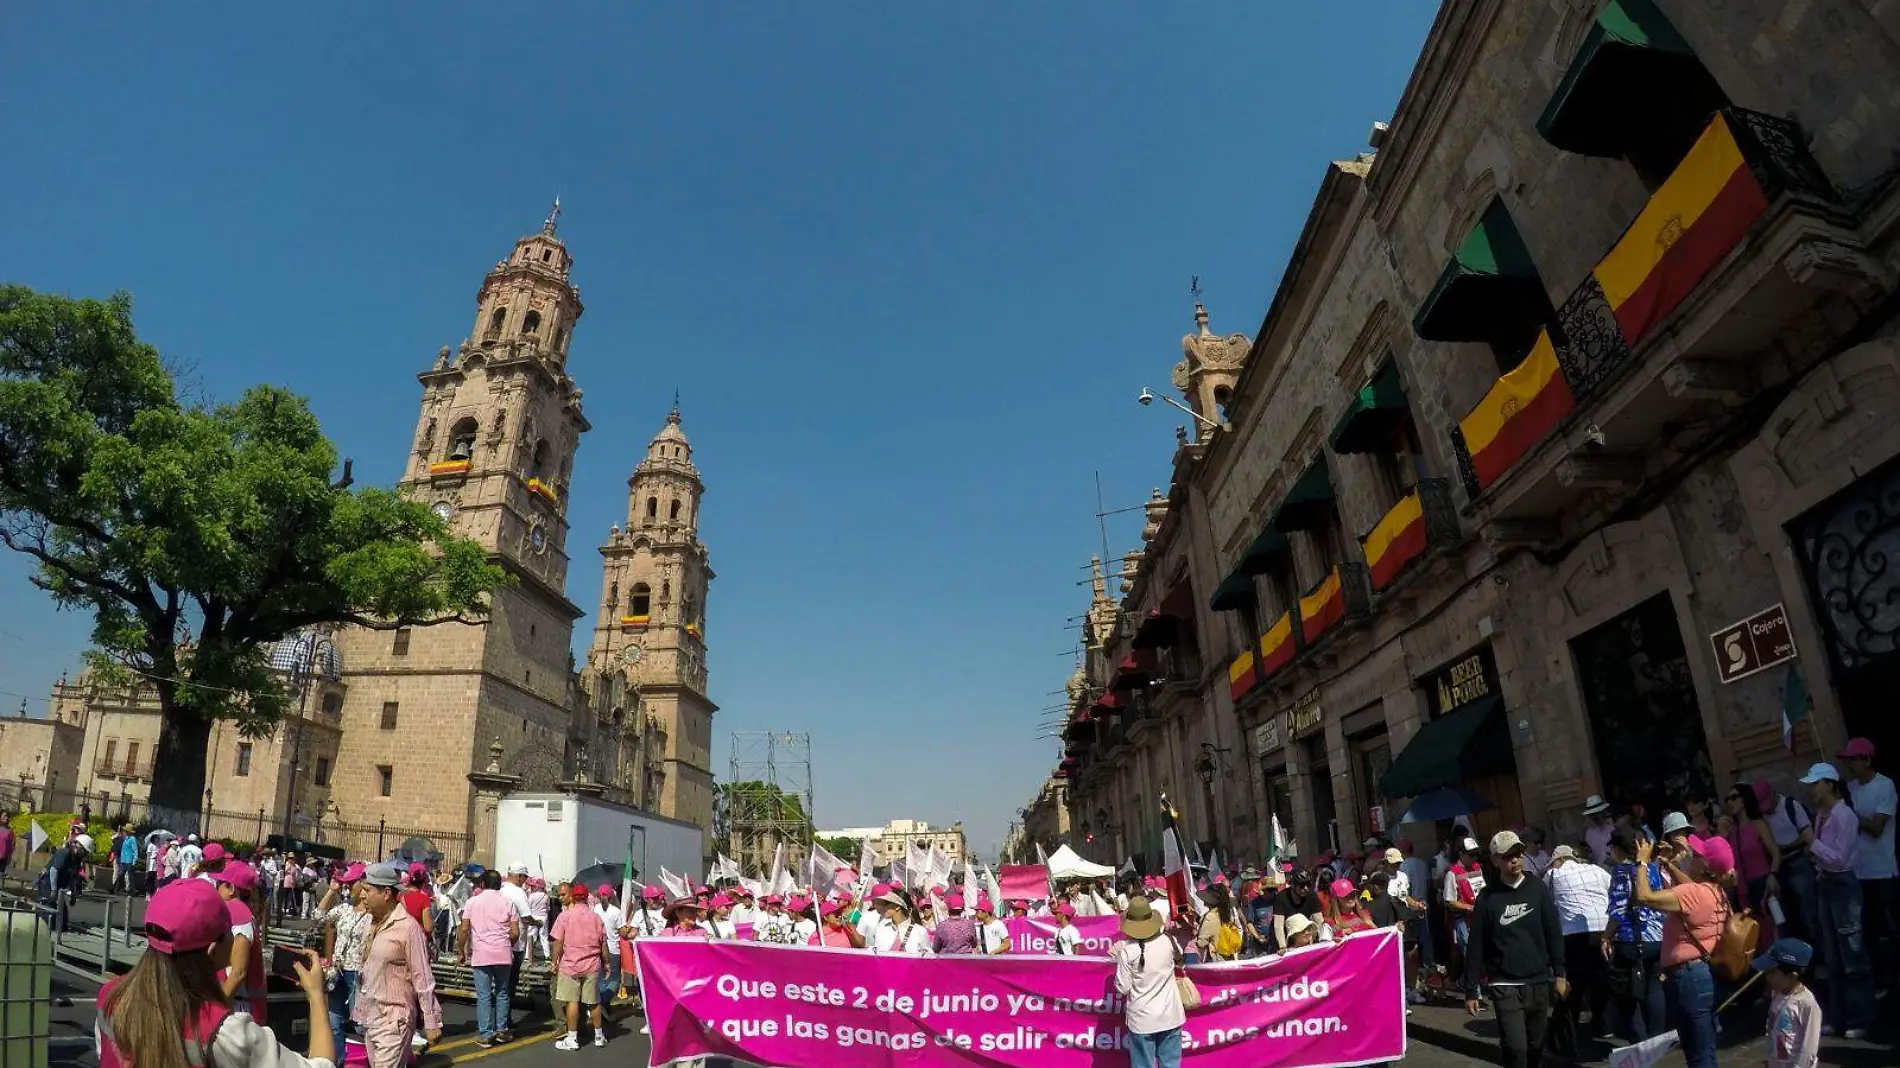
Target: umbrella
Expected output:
[1444,803]
[609,872]
[161,835]
[416,848]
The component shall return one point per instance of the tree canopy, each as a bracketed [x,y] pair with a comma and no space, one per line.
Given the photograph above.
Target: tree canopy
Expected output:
[198,534]
[752,800]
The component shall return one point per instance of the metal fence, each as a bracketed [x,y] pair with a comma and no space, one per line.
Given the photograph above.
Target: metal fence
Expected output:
[26,989]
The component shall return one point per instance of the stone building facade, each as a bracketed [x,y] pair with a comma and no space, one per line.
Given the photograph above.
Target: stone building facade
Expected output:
[892,841]
[1565,459]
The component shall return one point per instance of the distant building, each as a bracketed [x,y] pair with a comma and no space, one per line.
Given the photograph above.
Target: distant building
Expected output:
[891,840]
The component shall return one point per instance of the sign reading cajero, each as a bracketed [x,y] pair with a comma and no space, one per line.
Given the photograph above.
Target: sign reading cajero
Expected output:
[1305,717]
[1464,680]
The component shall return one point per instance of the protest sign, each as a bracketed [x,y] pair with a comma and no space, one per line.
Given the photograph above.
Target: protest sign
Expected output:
[1325,1006]
[1036,935]
[1024,882]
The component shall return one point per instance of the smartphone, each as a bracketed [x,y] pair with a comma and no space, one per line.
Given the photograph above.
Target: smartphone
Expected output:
[284,961]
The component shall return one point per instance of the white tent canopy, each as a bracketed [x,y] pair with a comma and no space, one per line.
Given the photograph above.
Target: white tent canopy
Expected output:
[1064,864]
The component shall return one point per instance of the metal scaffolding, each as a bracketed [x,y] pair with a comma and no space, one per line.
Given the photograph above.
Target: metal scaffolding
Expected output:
[768,799]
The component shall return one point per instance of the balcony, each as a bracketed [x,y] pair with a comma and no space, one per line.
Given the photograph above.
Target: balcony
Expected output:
[1743,240]
[1422,521]
[545,492]
[449,469]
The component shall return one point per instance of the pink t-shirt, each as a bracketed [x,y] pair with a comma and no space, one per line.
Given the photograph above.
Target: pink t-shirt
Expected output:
[1702,913]
[581,935]
[488,941]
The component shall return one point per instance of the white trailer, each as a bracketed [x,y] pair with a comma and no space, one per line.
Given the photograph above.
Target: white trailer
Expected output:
[557,835]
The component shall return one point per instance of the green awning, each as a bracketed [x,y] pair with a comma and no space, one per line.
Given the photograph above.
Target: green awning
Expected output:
[1374,413]
[1259,557]
[1235,591]
[1470,743]
[1490,272]
[1306,501]
[1631,63]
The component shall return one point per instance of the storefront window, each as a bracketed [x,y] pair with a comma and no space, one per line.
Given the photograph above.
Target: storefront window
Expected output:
[1644,720]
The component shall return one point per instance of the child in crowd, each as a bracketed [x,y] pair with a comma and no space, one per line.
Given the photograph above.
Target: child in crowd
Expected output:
[1794,1016]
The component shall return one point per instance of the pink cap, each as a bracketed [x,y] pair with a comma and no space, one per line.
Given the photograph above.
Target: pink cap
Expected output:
[352,874]
[880,889]
[1065,909]
[214,852]
[185,916]
[418,868]
[772,899]
[984,904]
[240,875]
[1857,747]
[652,893]
[1342,888]
[604,890]
[1715,852]
[578,891]
[953,902]
[798,903]
[719,901]
[937,891]
[831,908]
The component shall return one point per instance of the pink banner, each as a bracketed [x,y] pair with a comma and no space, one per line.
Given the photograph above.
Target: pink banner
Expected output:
[1330,1005]
[1023,882]
[1036,935]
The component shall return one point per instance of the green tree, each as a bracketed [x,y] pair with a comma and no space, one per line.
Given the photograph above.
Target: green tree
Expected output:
[754,801]
[845,849]
[198,534]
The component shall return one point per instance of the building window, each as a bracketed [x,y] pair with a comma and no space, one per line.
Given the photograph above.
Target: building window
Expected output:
[322,775]
[653,508]
[538,465]
[112,750]
[673,510]
[495,320]
[547,254]
[531,323]
[243,759]
[462,438]
[641,602]
[332,704]
[132,758]
[400,646]
[385,780]
[389,715]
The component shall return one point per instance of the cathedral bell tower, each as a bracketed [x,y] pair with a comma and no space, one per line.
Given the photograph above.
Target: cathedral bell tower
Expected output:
[646,670]
[492,456]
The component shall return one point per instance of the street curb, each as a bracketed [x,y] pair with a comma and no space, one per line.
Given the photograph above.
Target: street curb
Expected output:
[1456,1042]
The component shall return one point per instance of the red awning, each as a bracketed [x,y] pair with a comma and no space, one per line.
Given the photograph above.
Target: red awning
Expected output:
[1134,669]
[1105,705]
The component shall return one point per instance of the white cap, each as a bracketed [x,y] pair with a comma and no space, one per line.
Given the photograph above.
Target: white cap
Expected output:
[1505,841]
[1673,822]
[1470,845]
[1821,771]
[517,869]
[84,840]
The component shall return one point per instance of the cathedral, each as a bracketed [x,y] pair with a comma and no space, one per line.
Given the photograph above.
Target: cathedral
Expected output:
[500,422]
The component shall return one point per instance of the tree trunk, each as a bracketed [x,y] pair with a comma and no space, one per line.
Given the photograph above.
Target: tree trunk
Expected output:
[178,771]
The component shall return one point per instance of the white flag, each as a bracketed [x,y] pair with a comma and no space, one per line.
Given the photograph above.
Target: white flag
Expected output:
[753,887]
[35,838]
[1643,1054]
[916,865]
[824,869]
[778,868]
[676,887]
[1127,868]
[867,860]
[995,891]
[1042,856]
[971,888]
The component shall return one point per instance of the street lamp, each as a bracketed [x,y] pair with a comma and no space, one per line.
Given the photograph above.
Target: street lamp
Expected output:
[303,672]
[1149,396]
[1204,768]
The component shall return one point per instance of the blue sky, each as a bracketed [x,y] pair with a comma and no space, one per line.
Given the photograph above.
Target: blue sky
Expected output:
[907,264]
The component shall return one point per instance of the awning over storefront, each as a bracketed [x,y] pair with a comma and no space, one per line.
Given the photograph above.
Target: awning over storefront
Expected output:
[1631,62]
[1105,705]
[1469,743]
[1235,591]
[1259,557]
[1490,272]
[1373,415]
[1311,495]
[1161,627]
[1133,670]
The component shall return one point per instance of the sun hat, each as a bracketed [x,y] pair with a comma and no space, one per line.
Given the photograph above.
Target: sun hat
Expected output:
[1563,852]
[1297,923]
[772,899]
[671,912]
[239,875]
[185,916]
[1503,842]
[1393,856]
[1342,888]
[1674,822]
[1715,852]
[1785,953]
[891,898]
[1857,747]
[1141,922]
[384,875]
[351,874]
[1594,805]
[214,852]
[84,841]
[798,903]
[1821,771]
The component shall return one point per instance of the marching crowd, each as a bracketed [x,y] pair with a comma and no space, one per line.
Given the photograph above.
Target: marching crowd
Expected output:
[1628,928]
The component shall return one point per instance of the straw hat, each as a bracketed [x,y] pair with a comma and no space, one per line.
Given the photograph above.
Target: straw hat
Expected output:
[1141,922]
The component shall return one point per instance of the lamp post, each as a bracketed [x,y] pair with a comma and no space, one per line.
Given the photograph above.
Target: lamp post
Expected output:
[1149,396]
[1204,767]
[303,673]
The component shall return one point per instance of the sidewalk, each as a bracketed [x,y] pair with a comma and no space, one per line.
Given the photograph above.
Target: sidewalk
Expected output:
[1477,1036]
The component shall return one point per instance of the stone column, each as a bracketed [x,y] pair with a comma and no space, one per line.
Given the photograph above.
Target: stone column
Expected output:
[490,785]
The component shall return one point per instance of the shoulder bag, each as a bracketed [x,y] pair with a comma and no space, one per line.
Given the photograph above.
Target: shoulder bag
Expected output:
[1183,986]
[1734,947]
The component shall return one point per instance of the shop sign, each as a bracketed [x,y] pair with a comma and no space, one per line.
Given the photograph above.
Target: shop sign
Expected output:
[1376,818]
[1754,644]
[1306,716]
[1266,737]
[1467,679]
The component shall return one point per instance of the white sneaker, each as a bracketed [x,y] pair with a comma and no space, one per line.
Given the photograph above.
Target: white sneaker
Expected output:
[568,1042]
[600,1040]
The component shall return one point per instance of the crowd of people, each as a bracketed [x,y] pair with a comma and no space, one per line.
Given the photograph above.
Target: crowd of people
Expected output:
[1626,929]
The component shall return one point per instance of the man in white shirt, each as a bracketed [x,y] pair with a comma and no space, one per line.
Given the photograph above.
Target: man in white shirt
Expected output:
[868,920]
[992,934]
[190,855]
[606,905]
[1874,865]
[774,925]
[648,920]
[1581,893]
[515,889]
[743,910]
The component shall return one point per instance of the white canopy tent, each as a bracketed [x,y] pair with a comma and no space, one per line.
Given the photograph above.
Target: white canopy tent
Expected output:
[1065,864]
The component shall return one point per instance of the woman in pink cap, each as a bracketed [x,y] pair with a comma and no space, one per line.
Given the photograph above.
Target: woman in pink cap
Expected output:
[346,930]
[1697,910]
[1346,910]
[237,885]
[169,1011]
[719,918]
[833,931]
[1068,940]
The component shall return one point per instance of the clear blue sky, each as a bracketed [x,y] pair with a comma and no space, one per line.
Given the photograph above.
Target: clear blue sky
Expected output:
[908,265]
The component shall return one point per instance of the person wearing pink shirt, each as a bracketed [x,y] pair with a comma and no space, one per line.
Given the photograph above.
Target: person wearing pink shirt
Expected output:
[1833,842]
[579,954]
[395,979]
[487,938]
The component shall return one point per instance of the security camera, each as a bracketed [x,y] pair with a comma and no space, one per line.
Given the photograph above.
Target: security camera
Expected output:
[1146,398]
